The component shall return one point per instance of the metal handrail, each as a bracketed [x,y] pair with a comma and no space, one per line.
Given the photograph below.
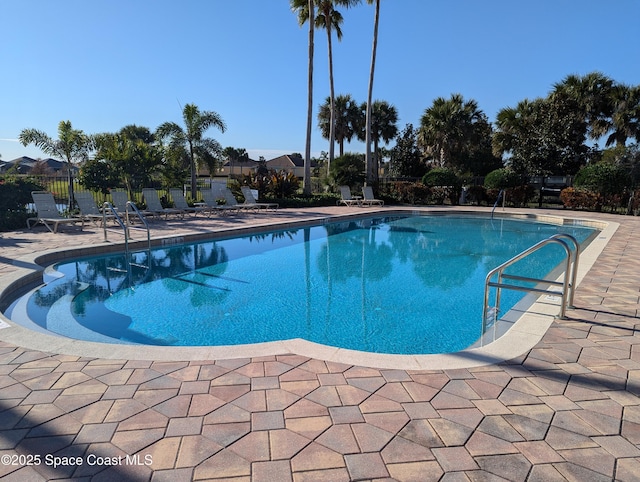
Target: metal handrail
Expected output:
[107,207]
[131,205]
[500,194]
[125,224]
[567,286]
[574,264]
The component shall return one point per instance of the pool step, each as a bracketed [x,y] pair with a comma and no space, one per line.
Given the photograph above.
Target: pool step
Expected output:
[61,321]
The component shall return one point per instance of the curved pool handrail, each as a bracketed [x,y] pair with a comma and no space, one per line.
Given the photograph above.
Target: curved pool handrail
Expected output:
[570,270]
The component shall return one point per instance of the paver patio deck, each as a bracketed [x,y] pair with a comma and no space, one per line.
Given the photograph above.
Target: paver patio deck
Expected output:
[568,409]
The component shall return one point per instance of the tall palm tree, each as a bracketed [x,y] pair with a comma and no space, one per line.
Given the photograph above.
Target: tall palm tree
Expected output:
[347,119]
[371,172]
[594,95]
[199,148]
[625,121]
[329,19]
[305,10]
[447,127]
[72,145]
[383,127]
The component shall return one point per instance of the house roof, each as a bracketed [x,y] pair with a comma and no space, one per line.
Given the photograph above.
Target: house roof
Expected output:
[53,163]
[25,164]
[287,161]
[245,162]
[23,160]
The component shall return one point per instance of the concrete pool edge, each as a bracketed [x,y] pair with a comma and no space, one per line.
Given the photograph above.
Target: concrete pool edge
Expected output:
[524,334]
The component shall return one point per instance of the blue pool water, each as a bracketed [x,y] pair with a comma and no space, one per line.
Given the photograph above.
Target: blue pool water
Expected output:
[408,285]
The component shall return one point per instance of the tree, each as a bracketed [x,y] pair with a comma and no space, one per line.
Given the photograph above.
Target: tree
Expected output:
[383,128]
[347,119]
[406,159]
[610,110]
[348,170]
[72,145]
[543,137]
[448,129]
[305,10]
[234,156]
[625,121]
[199,148]
[592,96]
[98,175]
[329,19]
[132,152]
[371,171]
[479,159]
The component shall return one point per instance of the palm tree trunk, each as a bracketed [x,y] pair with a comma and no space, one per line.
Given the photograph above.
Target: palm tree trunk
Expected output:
[70,184]
[376,162]
[306,183]
[371,174]
[194,190]
[332,119]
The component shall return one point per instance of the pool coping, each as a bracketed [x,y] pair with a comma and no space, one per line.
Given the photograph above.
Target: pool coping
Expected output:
[528,326]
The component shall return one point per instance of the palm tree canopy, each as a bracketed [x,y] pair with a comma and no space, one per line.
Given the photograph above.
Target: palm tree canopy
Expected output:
[448,125]
[347,118]
[625,121]
[594,96]
[327,16]
[199,148]
[384,119]
[72,145]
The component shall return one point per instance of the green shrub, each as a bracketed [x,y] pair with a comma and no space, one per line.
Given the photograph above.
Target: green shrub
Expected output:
[315,200]
[444,184]
[408,192]
[603,178]
[576,198]
[282,184]
[610,183]
[441,177]
[520,196]
[348,170]
[502,179]
[15,194]
[438,195]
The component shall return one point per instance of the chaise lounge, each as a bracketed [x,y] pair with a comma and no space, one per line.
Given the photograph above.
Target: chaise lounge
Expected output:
[250,200]
[154,206]
[88,208]
[368,198]
[346,198]
[48,213]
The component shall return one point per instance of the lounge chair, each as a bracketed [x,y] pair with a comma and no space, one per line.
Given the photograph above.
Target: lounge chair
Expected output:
[249,199]
[368,198]
[180,202]
[346,198]
[211,201]
[154,206]
[231,200]
[48,213]
[120,199]
[88,208]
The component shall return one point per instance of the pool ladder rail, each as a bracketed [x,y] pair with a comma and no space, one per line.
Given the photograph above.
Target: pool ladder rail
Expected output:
[126,226]
[490,314]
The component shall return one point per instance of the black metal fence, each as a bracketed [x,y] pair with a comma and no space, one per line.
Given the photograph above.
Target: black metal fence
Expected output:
[58,185]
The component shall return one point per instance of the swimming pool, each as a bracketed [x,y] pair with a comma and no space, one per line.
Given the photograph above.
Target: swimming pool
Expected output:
[388,285]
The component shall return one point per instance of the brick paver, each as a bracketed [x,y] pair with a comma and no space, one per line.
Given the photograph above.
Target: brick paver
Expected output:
[568,409]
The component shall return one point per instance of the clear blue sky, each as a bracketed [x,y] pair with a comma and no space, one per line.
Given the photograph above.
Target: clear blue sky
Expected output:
[104,64]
